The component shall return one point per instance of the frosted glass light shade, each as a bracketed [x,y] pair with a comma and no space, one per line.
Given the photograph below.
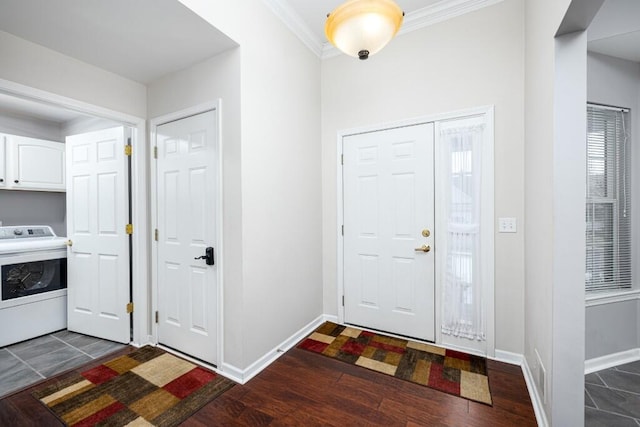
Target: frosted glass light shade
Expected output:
[361,28]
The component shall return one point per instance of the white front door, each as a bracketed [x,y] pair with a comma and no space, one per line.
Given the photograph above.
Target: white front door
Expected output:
[186,218]
[388,180]
[97,215]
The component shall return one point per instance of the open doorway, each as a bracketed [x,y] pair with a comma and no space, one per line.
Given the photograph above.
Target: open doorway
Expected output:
[32,120]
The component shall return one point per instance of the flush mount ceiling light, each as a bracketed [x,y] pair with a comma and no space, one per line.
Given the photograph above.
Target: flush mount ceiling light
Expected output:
[361,28]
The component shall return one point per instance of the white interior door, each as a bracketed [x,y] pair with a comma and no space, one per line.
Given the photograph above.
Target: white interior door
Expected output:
[97,214]
[186,212]
[389,281]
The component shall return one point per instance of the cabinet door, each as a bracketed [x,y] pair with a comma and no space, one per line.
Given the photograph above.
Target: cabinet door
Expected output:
[3,157]
[36,164]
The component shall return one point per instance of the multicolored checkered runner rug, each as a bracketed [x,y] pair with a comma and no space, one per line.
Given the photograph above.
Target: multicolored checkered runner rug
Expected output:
[450,371]
[146,387]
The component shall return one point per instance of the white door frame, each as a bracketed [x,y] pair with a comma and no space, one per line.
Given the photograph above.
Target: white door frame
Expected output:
[139,178]
[483,110]
[154,123]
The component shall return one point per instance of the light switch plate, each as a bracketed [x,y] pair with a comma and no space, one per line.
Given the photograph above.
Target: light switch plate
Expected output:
[507,225]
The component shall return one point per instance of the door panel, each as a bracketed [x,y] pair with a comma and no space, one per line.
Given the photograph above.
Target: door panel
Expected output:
[97,214]
[388,202]
[186,200]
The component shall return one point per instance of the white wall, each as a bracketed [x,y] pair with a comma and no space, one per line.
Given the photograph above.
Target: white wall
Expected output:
[280,175]
[611,328]
[473,60]
[614,327]
[34,208]
[568,243]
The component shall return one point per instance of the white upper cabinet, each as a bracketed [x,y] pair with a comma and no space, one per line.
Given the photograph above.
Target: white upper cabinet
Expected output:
[32,164]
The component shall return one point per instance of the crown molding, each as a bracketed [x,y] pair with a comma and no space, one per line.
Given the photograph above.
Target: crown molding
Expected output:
[441,11]
[283,10]
[437,12]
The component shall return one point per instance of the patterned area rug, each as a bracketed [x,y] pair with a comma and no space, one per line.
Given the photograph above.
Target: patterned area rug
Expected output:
[450,371]
[146,387]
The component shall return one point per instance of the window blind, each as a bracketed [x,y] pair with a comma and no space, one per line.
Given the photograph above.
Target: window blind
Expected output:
[608,200]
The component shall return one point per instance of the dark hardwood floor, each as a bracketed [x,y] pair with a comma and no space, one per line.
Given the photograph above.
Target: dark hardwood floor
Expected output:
[306,389]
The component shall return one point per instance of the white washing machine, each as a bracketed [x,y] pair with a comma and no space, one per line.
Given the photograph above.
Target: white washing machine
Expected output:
[33,273]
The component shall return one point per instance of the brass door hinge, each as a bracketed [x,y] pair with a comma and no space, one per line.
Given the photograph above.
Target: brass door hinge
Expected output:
[129,228]
[155,152]
[128,149]
[342,159]
[156,235]
[157,317]
[130,308]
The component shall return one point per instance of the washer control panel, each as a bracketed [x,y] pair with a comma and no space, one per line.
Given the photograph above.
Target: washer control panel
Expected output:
[25,232]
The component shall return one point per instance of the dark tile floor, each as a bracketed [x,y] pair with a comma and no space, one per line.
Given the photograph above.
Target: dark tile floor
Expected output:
[30,361]
[612,397]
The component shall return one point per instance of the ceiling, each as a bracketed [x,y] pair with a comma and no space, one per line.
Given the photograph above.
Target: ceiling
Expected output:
[141,40]
[624,46]
[137,45]
[615,30]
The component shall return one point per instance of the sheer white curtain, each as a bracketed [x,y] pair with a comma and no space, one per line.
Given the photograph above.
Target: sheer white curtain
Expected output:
[460,147]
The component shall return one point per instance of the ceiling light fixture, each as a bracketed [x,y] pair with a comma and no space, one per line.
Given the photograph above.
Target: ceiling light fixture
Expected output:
[361,28]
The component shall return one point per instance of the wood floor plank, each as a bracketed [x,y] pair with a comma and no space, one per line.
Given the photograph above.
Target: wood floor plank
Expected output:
[278,407]
[504,367]
[424,410]
[479,413]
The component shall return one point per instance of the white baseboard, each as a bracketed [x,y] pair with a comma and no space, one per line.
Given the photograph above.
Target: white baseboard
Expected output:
[330,318]
[508,357]
[244,375]
[145,340]
[536,399]
[231,372]
[611,360]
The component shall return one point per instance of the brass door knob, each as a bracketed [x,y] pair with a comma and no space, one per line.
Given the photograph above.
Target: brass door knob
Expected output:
[423,248]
